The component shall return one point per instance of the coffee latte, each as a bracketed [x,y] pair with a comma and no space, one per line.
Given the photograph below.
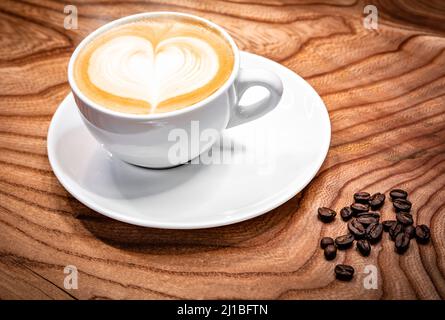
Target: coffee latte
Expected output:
[154,65]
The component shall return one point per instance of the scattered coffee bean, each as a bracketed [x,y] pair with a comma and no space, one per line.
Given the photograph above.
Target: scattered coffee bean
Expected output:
[374,214]
[324,242]
[346,213]
[377,200]
[388,224]
[362,197]
[423,234]
[402,242]
[404,218]
[398,194]
[367,230]
[366,221]
[326,214]
[410,231]
[345,241]
[344,272]
[357,229]
[402,205]
[395,230]
[364,247]
[374,232]
[330,252]
[370,214]
[359,207]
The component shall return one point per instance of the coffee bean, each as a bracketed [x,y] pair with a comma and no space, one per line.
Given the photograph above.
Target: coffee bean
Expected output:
[330,252]
[357,229]
[388,224]
[362,197]
[359,207]
[398,194]
[423,234]
[410,231]
[404,218]
[374,232]
[364,247]
[366,221]
[402,242]
[370,214]
[324,242]
[345,241]
[377,200]
[395,230]
[402,205]
[344,272]
[346,213]
[326,214]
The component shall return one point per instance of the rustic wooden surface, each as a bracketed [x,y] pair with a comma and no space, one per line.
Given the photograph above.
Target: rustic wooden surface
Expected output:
[385,93]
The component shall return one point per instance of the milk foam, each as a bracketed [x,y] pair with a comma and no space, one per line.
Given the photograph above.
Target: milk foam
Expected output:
[130,66]
[154,65]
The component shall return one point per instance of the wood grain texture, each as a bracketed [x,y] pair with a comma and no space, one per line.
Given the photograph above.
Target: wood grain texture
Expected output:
[385,91]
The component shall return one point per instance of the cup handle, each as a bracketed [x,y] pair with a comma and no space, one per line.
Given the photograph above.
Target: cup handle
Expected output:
[246,79]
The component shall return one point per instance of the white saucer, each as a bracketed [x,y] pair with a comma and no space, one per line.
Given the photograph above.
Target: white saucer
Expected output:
[273,159]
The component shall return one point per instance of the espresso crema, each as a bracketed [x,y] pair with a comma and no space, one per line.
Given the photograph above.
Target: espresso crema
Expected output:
[154,65]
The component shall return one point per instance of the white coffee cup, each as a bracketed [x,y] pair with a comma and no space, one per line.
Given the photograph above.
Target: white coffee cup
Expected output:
[143,139]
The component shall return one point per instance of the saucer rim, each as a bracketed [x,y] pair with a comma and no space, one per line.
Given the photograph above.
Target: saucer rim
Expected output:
[286,193]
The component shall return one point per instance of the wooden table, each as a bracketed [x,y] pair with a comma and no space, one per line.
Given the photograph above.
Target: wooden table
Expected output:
[385,92]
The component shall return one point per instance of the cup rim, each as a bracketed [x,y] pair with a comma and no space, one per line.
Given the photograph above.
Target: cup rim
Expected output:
[151,116]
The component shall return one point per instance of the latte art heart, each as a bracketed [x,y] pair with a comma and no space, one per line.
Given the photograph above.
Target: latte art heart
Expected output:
[154,66]
[130,67]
